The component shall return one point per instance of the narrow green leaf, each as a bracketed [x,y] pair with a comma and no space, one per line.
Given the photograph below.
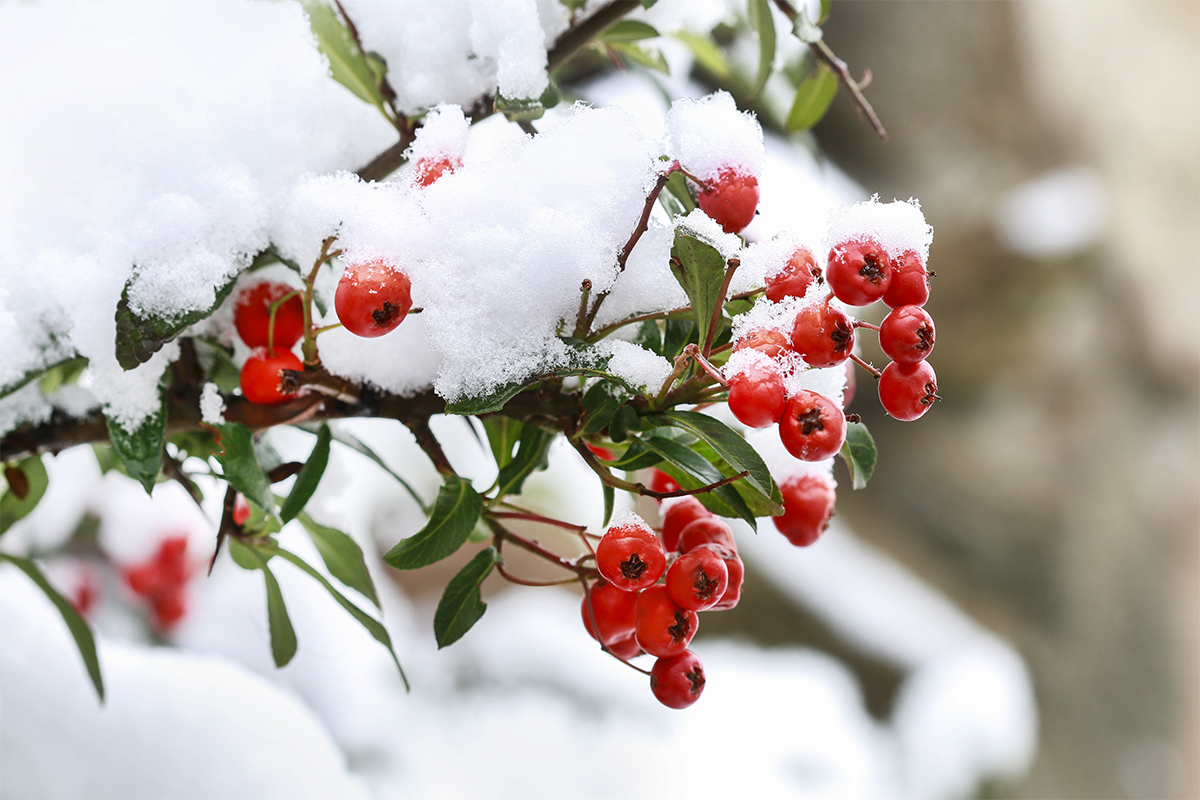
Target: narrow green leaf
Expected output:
[648,3]
[677,188]
[600,403]
[347,62]
[649,336]
[708,54]
[643,58]
[503,434]
[727,444]
[372,625]
[455,511]
[356,444]
[342,556]
[628,30]
[491,402]
[697,472]
[859,453]
[283,636]
[141,450]
[610,499]
[531,455]
[812,100]
[679,333]
[80,632]
[636,456]
[64,373]
[462,603]
[573,5]
[309,477]
[759,12]
[12,505]
[824,12]
[240,465]
[700,270]
[622,423]
[520,109]
[34,374]
[140,337]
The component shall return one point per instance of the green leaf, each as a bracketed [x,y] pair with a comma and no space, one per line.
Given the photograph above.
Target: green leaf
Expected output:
[18,501]
[140,337]
[649,336]
[80,632]
[342,556]
[309,477]
[812,100]
[520,109]
[623,421]
[347,62]
[240,466]
[141,450]
[531,455]
[700,270]
[283,636]
[372,625]
[628,30]
[455,511]
[503,434]
[677,188]
[859,452]
[573,5]
[61,374]
[637,456]
[679,333]
[805,30]
[648,3]
[824,12]
[697,472]
[492,402]
[600,403]
[642,57]
[462,603]
[610,499]
[707,53]
[759,13]
[726,443]
[354,443]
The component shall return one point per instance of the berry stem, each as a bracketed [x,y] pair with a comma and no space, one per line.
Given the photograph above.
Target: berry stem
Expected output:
[275,306]
[309,348]
[639,488]
[731,267]
[600,333]
[866,366]
[858,323]
[502,534]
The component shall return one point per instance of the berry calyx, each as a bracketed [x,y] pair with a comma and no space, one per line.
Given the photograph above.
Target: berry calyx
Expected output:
[796,276]
[757,396]
[631,557]
[907,391]
[858,272]
[698,578]
[664,628]
[770,342]
[731,199]
[614,611]
[372,298]
[907,334]
[678,515]
[429,169]
[252,315]
[677,681]
[813,428]
[823,335]
[261,374]
[807,507]
[910,282]
[706,530]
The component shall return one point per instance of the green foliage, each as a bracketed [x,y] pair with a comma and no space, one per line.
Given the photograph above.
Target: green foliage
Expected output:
[859,453]
[462,603]
[140,337]
[240,464]
[342,556]
[813,98]
[532,450]
[26,483]
[308,478]
[763,24]
[283,635]
[348,64]
[141,450]
[700,270]
[454,513]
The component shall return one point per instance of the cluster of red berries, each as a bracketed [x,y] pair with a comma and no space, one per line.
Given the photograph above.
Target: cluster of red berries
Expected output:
[162,581]
[630,611]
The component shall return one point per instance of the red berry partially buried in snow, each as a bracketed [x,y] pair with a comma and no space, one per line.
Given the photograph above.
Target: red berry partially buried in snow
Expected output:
[770,342]
[807,507]
[372,298]
[261,375]
[756,394]
[430,168]
[858,272]
[795,277]
[813,428]
[730,199]
[252,315]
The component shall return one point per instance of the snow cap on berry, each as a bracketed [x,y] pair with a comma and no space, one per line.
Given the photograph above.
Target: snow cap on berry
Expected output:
[444,133]
[744,359]
[624,518]
[897,226]
[763,260]
[711,134]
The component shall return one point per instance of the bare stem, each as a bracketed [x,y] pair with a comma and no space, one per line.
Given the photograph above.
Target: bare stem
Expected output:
[731,267]
[865,365]
[430,444]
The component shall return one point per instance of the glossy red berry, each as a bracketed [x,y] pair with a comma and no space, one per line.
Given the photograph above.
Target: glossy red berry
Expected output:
[662,482]
[858,272]
[907,334]
[677,681]
[706,530]
[770,342]
[807,507]
[252,315]
[823,335]
[678,515]
[430,168]
[698,579]
[630,556]
[756,394]
[602,453]
[626,648]
[614,612]
[730,199]
[907,391]
[664,628]
[813,428]
[910,282]
[796,276]
[736,571]
[372,298]
[261,374]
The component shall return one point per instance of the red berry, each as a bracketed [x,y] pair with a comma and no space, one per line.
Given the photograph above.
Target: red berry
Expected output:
[910,282]
[678,515]
[87,590]
[698,578]
[851,386]
[169,609]
[730,199]
[770,342]
[807,506]
[626,648]
[252,315]
[756,394]
[429,169]
[662,482]
[602,453]
[372,298]
[664,628]
[241,510]
[858,272]
[704,531]
[795,277]
[631,557]
[823,335]
[813,428]
[907,334]
[677,681]
[613,608]
[261,374]
[736,570]
[907,391]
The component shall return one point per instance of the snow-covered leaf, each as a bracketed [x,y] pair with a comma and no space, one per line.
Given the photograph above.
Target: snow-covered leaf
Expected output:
[141,336]
[141,450]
